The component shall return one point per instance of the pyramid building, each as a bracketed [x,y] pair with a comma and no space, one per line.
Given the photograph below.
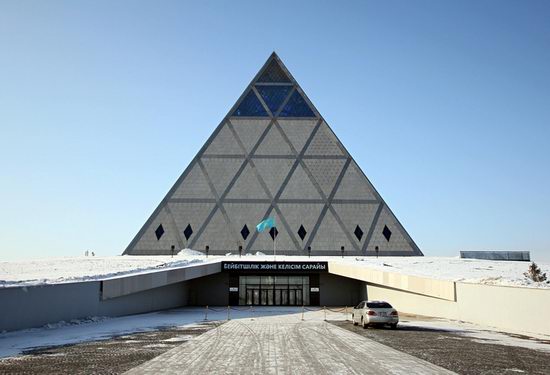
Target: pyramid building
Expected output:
[273,155]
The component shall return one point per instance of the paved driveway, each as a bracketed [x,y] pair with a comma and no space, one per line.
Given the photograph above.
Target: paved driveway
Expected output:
[284,345]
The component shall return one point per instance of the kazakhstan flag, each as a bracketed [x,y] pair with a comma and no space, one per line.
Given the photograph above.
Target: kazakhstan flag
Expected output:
[266,224]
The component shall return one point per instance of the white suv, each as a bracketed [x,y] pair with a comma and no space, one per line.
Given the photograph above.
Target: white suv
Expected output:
[374,312]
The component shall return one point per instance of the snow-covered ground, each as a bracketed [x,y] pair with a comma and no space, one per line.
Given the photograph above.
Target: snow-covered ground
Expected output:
[478,271]
[70,269]
[84,268]
[101,328]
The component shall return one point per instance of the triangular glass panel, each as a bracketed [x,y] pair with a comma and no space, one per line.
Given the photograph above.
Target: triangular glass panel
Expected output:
[300,186]
[325,172]
[389,235]
[324,142]
[274,73]
[274,143]
[354,185]
[273,172]
[273,96]
[221,171]
[297,130]
[249,130]
[224,143]
[250,106]
[194,185]
[189,216]
[301,216]
[247,186]
[330,236]
[296,107]
[357,218]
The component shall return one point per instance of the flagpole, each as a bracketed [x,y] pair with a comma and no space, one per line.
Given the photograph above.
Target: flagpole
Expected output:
[274,239]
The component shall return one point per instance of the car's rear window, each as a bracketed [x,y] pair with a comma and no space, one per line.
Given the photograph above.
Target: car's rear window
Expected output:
[379,305]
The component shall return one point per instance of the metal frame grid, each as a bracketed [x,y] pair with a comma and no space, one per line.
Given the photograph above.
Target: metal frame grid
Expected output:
[247,158]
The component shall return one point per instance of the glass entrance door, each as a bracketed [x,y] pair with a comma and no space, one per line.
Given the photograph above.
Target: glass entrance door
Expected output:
[274,290]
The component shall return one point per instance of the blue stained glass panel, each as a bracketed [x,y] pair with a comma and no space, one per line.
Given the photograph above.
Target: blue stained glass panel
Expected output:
[250,106]
[274,96]
[296,107]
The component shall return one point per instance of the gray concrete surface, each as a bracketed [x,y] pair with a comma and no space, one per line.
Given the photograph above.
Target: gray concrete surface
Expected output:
[286,345]
[467,353]
[497,255]
[35,306]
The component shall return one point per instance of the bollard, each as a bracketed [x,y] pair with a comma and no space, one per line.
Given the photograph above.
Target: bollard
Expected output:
[206,313]
[228,313]
[325,309]
[346,313]
[303,312]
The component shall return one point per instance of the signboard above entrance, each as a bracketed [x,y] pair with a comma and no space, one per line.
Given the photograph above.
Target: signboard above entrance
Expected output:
[275,266]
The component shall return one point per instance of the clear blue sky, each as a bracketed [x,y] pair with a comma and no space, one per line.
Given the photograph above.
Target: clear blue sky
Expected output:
[445,105]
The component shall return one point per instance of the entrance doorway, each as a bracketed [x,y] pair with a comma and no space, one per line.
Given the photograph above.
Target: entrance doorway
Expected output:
[274,290]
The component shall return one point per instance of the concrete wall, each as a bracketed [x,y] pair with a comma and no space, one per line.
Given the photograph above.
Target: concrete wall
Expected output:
[443,289]
[26,307]
[338,291]
[209,290]
[512,309]
[507,308]
[497,255]
[128,284]
[35,306]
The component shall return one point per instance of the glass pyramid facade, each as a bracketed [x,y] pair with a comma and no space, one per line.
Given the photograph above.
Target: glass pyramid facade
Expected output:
[273,155]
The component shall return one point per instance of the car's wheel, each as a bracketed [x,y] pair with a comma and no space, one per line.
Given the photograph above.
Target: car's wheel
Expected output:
[393,326]
[353,320]
[364,324]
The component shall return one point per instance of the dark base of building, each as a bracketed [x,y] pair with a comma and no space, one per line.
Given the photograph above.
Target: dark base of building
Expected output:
[247,288]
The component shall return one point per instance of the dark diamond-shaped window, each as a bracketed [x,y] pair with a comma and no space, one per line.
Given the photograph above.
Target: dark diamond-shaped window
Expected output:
[358,232]
[159,232]
[273,73]
[188,231]
[273,96]
[245,232]
[387,233]
[302,232]
[250,106]
[296,107]
[273,232]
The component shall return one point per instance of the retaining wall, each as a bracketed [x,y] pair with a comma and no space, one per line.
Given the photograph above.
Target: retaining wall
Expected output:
[512,309]
[26,307]
[35,306]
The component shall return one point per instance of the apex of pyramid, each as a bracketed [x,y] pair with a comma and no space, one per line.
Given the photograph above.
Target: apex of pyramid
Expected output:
[274,93]
[274,71]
